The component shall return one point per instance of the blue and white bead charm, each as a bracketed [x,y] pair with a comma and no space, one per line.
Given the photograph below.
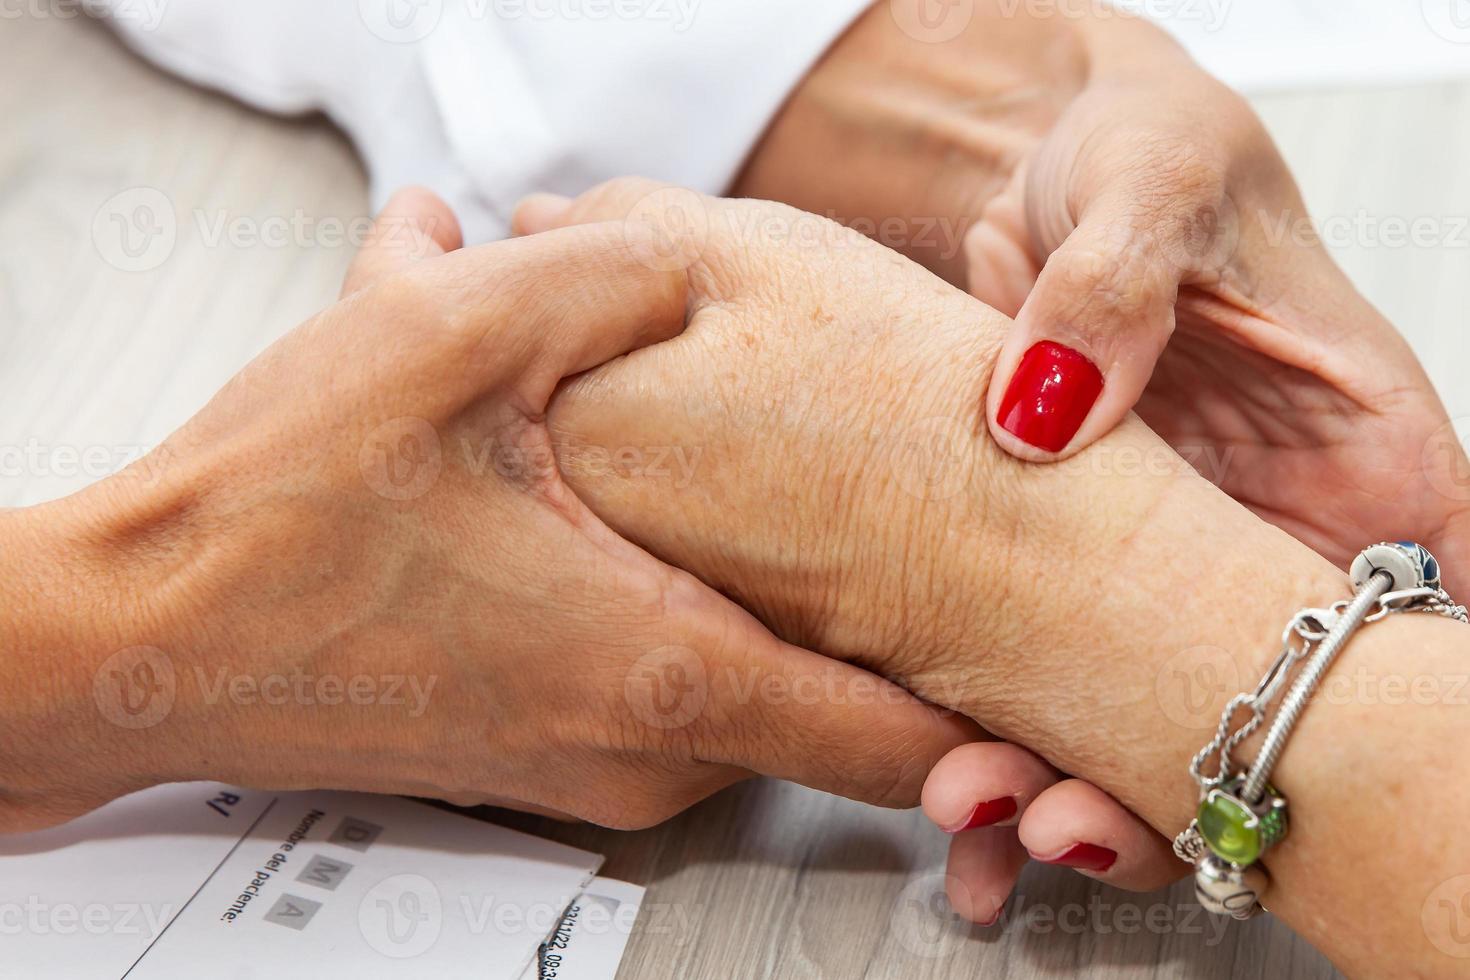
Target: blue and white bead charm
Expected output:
[1410,564]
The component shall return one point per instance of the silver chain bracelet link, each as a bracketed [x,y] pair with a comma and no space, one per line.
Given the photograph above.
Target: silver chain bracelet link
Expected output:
[1240,814]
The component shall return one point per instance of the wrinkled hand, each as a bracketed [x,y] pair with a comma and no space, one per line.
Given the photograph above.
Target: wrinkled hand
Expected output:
[374,499]
[1084,176]
[832,395]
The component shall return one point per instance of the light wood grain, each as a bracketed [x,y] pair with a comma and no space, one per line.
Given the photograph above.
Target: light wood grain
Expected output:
[767,880]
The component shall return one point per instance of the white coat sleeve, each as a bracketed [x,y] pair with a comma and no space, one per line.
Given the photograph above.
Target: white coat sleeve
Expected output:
[486,101]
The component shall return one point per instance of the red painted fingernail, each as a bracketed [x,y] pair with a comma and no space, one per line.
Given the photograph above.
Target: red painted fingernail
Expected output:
[987,813]
[1049,396]
[1084,857]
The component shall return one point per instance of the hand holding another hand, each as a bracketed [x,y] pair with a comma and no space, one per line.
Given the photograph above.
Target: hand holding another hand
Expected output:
[375,498]
[848,494]
[1084,176]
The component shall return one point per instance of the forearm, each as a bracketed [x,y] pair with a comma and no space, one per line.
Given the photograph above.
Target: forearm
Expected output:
[1375,775]
[64,616]
[124,663]
[1057,605]
[1187,610]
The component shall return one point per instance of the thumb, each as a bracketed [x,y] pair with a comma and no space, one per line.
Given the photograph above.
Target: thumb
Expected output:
[1086,340]
[414,225]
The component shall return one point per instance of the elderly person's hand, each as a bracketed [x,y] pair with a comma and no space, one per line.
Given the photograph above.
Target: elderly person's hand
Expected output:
[1081,174]
[358,568]
[848,494]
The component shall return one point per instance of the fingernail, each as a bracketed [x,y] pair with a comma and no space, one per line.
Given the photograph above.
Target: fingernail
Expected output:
[1083,857]
[985,814]
[1049,396]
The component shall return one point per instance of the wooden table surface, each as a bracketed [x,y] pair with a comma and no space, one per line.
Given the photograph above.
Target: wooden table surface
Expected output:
[102,361]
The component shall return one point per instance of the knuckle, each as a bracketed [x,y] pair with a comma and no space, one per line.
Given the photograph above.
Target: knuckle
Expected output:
[1119,280]
[1183,167]
[404,299]
[616,198]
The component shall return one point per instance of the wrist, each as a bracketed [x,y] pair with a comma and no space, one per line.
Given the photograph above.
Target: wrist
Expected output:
[71,612]
[1369,775]
[1119,656]
[1152,599]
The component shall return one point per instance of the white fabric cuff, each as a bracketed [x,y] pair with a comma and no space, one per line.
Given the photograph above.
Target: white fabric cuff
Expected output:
[486,101]
[681,93]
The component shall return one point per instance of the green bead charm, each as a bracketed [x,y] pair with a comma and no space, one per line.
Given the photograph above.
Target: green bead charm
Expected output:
[1239,833]
[1229,828]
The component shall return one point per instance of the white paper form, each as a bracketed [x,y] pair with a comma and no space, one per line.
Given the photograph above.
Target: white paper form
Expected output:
[590,940]
[205,879]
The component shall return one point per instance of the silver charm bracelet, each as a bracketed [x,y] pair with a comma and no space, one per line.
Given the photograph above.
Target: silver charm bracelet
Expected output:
[1241,815]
